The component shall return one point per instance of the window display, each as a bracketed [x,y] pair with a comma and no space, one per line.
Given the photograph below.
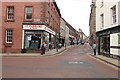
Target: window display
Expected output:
[105,44]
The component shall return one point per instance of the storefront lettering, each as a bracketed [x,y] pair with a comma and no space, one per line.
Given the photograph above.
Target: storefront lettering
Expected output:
[38,27]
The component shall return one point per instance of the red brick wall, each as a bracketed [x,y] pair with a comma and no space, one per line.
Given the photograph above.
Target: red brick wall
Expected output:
[40,10]
[52,13]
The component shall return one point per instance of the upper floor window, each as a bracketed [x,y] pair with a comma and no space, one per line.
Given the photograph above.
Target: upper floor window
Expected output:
[28,13]
[9,36]
[10,13]
[102,3]
[102,20]
[113,10]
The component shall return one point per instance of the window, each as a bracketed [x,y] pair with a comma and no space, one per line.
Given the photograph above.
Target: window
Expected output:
[102,20]
[102,3]
[9,36]
[113,9]
[28,13]
[10,13]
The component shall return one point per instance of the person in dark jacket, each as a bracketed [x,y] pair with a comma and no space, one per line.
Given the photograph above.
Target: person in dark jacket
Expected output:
[43,49]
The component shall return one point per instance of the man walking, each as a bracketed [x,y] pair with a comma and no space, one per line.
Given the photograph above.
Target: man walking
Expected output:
[94,48]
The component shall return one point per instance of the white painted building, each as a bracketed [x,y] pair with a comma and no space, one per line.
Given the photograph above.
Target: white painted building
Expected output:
[0,26]
[108,26]
[67,36]
[64,32]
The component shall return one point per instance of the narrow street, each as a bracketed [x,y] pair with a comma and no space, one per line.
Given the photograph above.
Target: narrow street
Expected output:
[72,63]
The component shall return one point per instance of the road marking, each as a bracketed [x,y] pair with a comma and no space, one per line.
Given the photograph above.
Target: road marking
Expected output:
[60,53]
[104,62]
[75,62]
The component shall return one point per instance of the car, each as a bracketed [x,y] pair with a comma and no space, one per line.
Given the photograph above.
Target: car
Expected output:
[82,43]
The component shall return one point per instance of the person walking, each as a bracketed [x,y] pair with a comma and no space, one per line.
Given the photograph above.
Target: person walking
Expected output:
[94,48]
[43,49]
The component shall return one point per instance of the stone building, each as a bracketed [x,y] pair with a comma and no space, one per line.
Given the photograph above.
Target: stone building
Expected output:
[108,27]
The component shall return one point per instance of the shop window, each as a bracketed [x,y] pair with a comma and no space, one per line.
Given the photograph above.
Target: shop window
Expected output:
[105,44]
[102,20]
[9,36]
[28,13]
[10,13]
[113,10]
[101,3]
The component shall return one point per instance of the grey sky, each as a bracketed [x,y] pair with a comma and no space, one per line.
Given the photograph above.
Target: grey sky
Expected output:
[76,12]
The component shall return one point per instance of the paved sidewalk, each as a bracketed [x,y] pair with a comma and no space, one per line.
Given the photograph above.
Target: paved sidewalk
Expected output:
[108,60]
[48,53]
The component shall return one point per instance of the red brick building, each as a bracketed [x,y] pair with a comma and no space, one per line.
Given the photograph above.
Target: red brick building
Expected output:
[27,25]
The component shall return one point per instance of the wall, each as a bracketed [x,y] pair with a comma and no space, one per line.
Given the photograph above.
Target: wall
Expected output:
[106,10]
[0,25]
[62,28]
[19,17]
[119,12]
[66,36]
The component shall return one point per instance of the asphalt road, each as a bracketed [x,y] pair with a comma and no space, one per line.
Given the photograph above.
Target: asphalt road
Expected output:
[72,63]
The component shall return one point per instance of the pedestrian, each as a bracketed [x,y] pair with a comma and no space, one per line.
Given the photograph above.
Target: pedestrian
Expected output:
[94,48]
[43,49]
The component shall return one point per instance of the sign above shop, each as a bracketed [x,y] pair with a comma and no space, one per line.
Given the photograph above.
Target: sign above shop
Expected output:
[38,27]
[37,19]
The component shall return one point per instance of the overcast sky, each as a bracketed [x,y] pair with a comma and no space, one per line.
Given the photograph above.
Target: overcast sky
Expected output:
[76,13]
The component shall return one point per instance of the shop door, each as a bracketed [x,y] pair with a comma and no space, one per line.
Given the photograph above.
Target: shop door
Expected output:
[34,44]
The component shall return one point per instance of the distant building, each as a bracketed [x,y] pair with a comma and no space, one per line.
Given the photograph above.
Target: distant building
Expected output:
[108,27]
[82,35]
[62,31]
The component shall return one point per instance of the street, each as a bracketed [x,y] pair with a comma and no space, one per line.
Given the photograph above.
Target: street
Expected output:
[72,63]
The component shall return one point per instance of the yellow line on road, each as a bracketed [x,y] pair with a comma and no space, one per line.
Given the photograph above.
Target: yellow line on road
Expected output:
[60,53]
[104,63]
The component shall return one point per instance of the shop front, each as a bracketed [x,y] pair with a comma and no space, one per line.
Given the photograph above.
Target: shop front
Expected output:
[105,40]
[34,36]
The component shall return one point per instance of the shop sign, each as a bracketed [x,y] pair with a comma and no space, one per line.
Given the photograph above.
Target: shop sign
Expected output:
[37,19]
[38,27]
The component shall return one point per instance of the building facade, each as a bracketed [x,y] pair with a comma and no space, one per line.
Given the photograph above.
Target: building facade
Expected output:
[27,25]
[0,26]
[92,24]
[62,31]
[108,27]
